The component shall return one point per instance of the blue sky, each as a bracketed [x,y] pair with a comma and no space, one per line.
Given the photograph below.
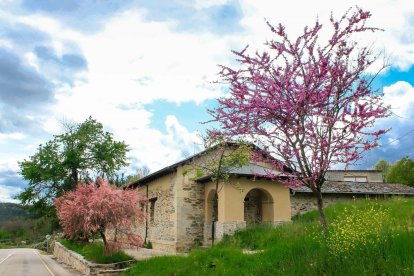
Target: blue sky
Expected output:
[145,69]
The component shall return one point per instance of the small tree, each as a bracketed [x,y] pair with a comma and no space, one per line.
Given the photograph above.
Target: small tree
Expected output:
[384,166]
[402,172]
[93,209]
[306,102]
[219,157]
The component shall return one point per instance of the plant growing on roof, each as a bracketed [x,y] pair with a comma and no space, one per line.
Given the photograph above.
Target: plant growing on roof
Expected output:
[306,102]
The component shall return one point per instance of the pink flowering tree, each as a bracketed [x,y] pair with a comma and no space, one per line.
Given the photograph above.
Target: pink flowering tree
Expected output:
[306,102]
[93,209]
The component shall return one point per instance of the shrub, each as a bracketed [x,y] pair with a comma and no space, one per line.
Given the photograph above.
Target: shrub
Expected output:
[93,209]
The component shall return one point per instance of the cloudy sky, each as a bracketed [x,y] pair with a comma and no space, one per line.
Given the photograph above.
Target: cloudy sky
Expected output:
[145,70]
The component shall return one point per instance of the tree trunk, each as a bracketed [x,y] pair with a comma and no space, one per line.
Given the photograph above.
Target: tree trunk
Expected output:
[104,239]
[322,218]
[74,177]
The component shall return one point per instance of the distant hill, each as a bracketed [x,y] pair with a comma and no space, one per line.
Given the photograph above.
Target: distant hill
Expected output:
[9,211]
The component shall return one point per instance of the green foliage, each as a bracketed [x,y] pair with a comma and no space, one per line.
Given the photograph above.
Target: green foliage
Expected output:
[384,166]
[94,252]
[10,211]
[354,229]
[148,245]
[402,172]
[5,235]
[84,151]
[298,249]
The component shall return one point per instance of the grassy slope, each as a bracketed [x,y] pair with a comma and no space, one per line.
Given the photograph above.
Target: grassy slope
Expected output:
[297,249]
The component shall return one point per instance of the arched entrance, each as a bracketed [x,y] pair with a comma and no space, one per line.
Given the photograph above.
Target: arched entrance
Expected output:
[211,217]
[258,207]
[212,207]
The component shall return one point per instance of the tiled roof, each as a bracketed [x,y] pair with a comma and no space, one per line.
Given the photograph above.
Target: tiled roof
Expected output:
[250,169]
[379,188]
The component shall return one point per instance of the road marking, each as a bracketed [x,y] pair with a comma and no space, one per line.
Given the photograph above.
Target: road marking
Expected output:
[51,273]
[7,257]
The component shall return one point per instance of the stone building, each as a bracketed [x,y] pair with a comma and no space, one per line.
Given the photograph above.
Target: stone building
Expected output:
[181,211]
[346,185]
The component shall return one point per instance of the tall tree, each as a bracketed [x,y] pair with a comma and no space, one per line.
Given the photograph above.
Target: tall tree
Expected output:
[93,209]
[83,152]
[384,166]
[306,101]
[402,172]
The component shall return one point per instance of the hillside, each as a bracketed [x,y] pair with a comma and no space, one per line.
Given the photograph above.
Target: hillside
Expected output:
[366,238]
[10,211]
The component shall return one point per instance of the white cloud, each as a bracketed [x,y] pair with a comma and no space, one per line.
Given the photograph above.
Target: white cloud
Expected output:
[400,96]
[393,16]
[5,137]
[132,62]
[8,192]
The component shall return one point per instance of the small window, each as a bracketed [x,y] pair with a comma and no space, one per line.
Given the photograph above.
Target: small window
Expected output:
[361,179]
[355,178]
[152,208]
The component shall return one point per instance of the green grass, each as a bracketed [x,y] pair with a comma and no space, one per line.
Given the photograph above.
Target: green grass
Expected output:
[298,249]
[94,252]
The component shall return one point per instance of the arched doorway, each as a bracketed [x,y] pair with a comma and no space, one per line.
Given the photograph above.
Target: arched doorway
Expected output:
[258,207]
[212,207]
[211,217]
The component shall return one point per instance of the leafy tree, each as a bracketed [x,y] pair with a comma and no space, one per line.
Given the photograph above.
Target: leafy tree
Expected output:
[306,101]
[384,166]
[402,172]
[217,160]
[85,150]
[93,209]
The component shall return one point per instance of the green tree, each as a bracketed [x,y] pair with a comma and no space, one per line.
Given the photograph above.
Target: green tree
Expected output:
[384,166]
[82,153]
[402,172]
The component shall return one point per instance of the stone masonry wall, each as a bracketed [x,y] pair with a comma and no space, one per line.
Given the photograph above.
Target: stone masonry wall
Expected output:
[78,262]
[161,226]
[228,228]
[305,202]
[190,217]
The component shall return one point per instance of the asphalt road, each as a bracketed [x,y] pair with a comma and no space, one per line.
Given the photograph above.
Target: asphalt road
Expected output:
[29,262]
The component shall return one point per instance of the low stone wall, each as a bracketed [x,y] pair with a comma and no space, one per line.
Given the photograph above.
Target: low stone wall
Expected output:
[228,228]
[79,263]
[305,202]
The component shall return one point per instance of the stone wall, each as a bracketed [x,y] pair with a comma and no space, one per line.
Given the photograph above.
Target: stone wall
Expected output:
[190,215]
[305,202]
[228,228]
[161,221]
[78,262]
[371,176]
